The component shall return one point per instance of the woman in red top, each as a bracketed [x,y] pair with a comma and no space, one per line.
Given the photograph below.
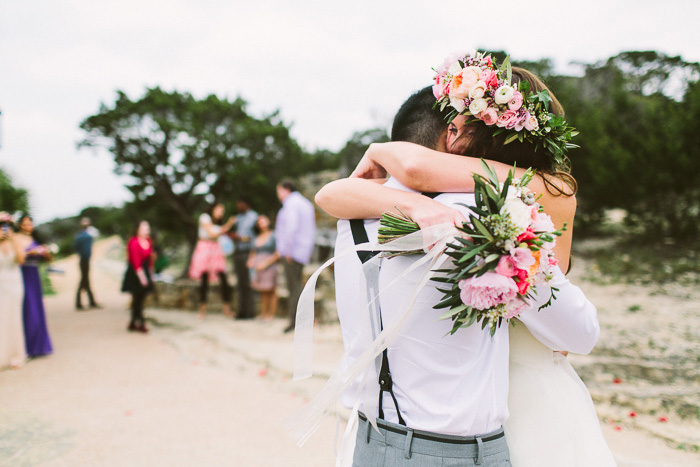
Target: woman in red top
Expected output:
[137,280]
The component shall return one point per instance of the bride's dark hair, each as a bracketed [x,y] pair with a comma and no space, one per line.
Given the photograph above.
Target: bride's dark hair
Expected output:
[480,142]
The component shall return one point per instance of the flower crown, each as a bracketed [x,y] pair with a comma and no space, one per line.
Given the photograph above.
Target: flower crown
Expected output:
[472,84]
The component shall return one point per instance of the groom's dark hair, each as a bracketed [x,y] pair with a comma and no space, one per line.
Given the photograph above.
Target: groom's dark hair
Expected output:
[417,121]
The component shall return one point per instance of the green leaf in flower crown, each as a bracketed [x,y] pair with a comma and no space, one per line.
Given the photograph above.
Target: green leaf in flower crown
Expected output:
[544,97]
[511,138]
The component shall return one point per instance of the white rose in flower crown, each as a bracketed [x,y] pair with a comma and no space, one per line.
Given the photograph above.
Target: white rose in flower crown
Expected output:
[518,212]
[458,104]
[478,90]
[504,94]
[477,106]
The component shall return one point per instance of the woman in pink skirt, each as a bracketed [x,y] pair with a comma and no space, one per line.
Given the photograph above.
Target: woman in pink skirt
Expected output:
[263,260]
[208,258]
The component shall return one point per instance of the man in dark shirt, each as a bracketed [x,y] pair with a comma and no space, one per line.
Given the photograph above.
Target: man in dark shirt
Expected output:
[83,246]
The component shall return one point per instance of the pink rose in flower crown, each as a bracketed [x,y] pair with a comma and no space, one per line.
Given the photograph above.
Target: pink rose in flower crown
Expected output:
[489,77]
[489,116]
[531,124]
[516,101]
[470,75]
[524,115]
[507,118]
[487,290]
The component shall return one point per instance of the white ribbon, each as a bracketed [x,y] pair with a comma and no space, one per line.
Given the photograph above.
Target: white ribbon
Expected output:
[308,419]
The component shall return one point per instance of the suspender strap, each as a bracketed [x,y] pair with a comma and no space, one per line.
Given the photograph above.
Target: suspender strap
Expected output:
[359,235]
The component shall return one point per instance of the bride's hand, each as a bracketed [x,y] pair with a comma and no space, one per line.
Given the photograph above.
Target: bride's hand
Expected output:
[367,168]
[427,212]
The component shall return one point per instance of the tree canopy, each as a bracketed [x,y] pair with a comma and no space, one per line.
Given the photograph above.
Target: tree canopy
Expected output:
[12,198]
[181,153]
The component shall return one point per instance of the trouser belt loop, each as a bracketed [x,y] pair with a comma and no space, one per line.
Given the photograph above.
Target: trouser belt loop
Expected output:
[480,451]
[369,429]
[409,441]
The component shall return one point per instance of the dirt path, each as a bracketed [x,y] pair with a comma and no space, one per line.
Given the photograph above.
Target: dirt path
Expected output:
[189,393]
[109,397]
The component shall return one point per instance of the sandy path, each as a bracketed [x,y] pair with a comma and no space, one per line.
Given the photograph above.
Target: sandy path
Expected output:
[108,397]
[189,393]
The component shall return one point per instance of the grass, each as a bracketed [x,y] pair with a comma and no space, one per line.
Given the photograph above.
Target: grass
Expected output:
[644,262]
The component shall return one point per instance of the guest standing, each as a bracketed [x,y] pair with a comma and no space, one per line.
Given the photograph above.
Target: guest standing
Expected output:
[12,349]
[137,280]
[36,334]
[295,235]
[245,231]
[208,259]
[83,246]
[263,261]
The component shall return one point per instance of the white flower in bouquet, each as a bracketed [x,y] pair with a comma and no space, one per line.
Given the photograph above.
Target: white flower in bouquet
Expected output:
[518,212]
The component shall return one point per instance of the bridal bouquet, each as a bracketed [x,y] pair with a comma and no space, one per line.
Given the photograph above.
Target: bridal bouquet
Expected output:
[506,252]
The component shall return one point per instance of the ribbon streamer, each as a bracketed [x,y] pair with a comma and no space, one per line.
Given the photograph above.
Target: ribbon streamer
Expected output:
[308,419]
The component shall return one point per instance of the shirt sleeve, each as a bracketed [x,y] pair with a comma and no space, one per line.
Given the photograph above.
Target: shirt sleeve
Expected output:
[569,323]
[287,230]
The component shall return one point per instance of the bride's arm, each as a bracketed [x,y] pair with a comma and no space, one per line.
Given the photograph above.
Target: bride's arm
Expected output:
[355,198]
[427,170]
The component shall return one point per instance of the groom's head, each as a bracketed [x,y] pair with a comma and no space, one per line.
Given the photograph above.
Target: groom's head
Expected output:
[417,121]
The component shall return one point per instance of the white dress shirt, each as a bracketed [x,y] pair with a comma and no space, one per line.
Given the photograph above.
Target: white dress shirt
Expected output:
[452,384]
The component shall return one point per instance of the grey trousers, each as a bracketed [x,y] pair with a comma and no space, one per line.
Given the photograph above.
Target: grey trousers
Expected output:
[409,448]
[292,273]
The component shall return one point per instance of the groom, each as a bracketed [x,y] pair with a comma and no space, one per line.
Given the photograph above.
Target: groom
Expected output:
[446,396]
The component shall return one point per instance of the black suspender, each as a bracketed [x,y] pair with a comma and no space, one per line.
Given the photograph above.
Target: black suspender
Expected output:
[359,235]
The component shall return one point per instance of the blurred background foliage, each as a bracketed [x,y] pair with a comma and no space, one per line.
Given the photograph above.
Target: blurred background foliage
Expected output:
[637,113]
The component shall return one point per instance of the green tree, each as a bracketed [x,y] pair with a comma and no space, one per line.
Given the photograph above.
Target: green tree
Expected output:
[356,146]
[180,153]
[12,198]
[635,114]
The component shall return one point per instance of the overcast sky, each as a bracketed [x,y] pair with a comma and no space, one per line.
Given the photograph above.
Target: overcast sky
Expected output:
[331,67]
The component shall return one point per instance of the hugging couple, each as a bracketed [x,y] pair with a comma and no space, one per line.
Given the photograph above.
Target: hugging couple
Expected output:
[468,398]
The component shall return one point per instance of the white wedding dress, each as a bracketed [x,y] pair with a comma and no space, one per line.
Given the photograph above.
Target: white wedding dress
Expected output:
[12,350]
[552,418]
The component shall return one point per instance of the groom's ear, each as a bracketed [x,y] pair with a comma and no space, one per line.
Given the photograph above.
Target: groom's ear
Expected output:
[441,144]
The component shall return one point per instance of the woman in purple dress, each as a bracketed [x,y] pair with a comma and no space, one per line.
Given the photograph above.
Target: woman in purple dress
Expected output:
[36,333]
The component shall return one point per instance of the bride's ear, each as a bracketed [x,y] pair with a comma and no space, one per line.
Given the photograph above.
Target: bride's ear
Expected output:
[441,144]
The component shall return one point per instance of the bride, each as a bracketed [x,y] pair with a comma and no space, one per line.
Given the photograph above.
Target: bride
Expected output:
[552,418]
